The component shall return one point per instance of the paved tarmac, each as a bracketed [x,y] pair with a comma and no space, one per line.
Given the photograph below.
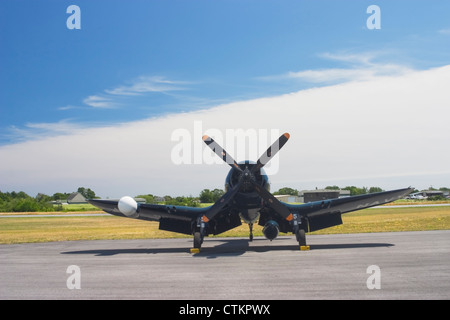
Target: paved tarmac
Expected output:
[412,265]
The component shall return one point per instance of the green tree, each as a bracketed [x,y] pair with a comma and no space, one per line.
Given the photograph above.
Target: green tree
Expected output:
[87,193]
[354,191]
[25,205]
[206,196]
[3,196]
[182,201]
[149,198]
[60,196]
[286,191]
[216,194]
[21,202]
[43,198]
[375,189]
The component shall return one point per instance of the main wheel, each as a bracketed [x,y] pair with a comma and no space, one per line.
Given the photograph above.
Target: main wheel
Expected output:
[301,237]
[197,240]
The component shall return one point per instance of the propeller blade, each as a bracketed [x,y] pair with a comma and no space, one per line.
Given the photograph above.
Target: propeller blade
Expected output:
[273,202]
[271,152]
[221,152]
[222,202]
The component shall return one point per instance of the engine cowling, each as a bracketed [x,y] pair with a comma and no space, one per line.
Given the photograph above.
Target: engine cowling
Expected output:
[128,206]
[271,229]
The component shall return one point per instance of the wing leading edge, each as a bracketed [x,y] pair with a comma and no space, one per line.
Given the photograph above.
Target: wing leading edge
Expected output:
[179,219]
[327,213]
[171,218]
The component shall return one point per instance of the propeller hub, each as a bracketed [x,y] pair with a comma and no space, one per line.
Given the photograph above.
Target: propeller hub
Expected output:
[248,178]
[247,173]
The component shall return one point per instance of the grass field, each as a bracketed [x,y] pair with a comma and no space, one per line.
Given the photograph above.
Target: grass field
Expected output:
[69,227]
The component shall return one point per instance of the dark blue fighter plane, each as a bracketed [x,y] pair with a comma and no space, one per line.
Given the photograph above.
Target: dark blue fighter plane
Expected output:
[248,199]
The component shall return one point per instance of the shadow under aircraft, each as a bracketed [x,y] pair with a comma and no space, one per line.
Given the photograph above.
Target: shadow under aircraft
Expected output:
[247,199]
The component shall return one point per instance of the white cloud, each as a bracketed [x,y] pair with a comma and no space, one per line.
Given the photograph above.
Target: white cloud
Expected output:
[444,31]
[33,131]
[111,98]
[147,84]
[360,67]
[353,58]
[334,75]
[386,131]
[68,107]
[99,102]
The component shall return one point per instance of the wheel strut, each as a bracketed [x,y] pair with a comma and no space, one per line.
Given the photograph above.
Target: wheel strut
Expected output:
[300,233]
[199,234]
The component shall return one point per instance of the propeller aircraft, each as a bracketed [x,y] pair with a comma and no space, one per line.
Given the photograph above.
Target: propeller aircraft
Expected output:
[247,199]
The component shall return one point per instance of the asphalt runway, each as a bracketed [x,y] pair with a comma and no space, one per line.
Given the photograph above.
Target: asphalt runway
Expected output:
[412,265]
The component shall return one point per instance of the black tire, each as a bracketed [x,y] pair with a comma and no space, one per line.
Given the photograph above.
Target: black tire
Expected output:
[301,237]
[197,240]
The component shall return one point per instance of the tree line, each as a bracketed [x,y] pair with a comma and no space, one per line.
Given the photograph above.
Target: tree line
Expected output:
[206,196]
[354,191]
[22,202]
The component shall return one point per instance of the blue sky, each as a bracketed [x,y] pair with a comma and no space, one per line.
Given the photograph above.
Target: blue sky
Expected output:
[170,64]
[140,59]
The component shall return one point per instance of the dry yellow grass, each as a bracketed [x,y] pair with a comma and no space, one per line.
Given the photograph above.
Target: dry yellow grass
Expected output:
[44,229]
[393,219]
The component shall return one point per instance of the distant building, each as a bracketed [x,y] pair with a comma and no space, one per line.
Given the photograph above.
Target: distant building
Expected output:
[76,198]
[321,194]
[432,193]
[288,198]
[427,193]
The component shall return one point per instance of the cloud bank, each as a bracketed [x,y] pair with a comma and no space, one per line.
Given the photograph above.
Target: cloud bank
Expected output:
[389,131]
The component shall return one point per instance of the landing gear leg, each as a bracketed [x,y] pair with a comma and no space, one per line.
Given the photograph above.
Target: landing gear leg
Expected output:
[199,234]
[300,233]
[250,225]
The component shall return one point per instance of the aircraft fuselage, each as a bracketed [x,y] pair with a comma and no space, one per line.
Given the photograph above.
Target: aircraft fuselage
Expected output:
[247,201]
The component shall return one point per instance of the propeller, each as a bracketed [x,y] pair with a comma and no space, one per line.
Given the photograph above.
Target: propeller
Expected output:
[271,152]
[247,176]
[222,202]
[273,202]
[221,152]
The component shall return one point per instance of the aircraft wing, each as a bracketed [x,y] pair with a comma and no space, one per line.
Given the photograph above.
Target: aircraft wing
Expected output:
[327,213]
[171,218]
